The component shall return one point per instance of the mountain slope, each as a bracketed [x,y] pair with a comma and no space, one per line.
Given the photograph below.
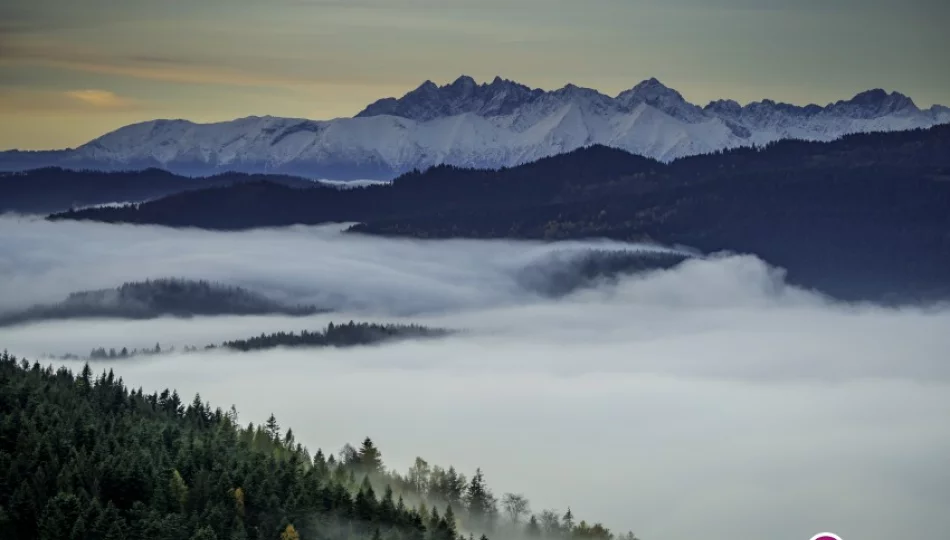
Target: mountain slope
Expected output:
[499,124]
[54,189]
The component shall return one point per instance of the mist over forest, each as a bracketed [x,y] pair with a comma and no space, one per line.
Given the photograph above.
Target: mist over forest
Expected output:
[645,388]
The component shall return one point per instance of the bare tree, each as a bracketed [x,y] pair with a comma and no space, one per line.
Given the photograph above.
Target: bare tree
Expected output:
[516,506]
[550,523]
[419,475]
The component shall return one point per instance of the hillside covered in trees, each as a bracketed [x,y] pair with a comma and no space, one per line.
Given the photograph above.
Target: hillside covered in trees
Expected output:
[53,189]
[157,298]
[563,272]
[83,457]
[860,218]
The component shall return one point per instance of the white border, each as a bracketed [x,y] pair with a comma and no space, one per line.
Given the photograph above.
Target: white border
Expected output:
[833,536]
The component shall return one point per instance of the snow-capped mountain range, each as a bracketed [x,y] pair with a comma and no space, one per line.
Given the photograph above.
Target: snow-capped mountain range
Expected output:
[502,123]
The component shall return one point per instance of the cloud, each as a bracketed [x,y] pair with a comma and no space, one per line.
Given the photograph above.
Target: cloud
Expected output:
[23,101]
[708,401]
[147,67]
[101,99]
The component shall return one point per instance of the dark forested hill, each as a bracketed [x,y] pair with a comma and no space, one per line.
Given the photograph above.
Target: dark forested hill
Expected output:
[157,298]
[54,189]
[84,457]
[337,335]
[562,272]
[260,204]
[351,334]
[864,217]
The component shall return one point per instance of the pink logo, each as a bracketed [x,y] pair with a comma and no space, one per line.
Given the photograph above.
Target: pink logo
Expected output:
[826,536]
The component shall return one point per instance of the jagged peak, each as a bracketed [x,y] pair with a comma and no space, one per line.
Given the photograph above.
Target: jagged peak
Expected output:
[463,95]
[653,83]
[573,89]
[651,87]
[870,96]
[427,86]
[464,81]
[876,101]
[876,96]
[730,106]
[656,94]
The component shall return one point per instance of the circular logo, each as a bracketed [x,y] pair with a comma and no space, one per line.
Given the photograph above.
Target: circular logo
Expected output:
[826,536]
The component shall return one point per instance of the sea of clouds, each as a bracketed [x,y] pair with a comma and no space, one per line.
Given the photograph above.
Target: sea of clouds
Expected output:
[708,401]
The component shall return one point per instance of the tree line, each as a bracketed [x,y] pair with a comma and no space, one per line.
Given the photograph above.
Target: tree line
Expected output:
[351,334]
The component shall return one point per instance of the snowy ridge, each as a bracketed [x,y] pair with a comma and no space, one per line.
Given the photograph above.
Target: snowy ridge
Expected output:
[491,125]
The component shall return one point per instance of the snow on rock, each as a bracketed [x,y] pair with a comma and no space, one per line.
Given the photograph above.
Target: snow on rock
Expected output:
[501,123]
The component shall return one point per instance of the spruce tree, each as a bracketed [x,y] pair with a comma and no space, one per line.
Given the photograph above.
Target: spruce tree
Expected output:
[478,499]
[272,428]
[569,520]
[370,459]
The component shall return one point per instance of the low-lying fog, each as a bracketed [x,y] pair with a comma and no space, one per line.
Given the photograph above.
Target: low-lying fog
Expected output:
[709,401]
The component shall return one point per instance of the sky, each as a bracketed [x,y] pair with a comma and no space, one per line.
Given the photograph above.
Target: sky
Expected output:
[708,401]
[71,70]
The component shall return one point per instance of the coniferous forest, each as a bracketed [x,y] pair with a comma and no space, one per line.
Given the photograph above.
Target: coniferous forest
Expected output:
[351,334]
[83,457]
[153,298]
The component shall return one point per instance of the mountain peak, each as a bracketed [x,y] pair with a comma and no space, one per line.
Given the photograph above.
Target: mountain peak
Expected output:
[875,95]
[658,95]
[464,81]
[463,95]
[874,103]
[653,84]
[729,107]
[485,125]
[573,89]
[427,86]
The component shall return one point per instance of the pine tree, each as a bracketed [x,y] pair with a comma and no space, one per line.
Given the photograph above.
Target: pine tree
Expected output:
[86,376]
[450,521]
[569,520]
[364,506]
[433,524]
[369,458]
[479,499]
[272,428]
[387,508]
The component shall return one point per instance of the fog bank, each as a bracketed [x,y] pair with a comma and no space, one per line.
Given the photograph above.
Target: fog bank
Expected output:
[42,262]
[708,401]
